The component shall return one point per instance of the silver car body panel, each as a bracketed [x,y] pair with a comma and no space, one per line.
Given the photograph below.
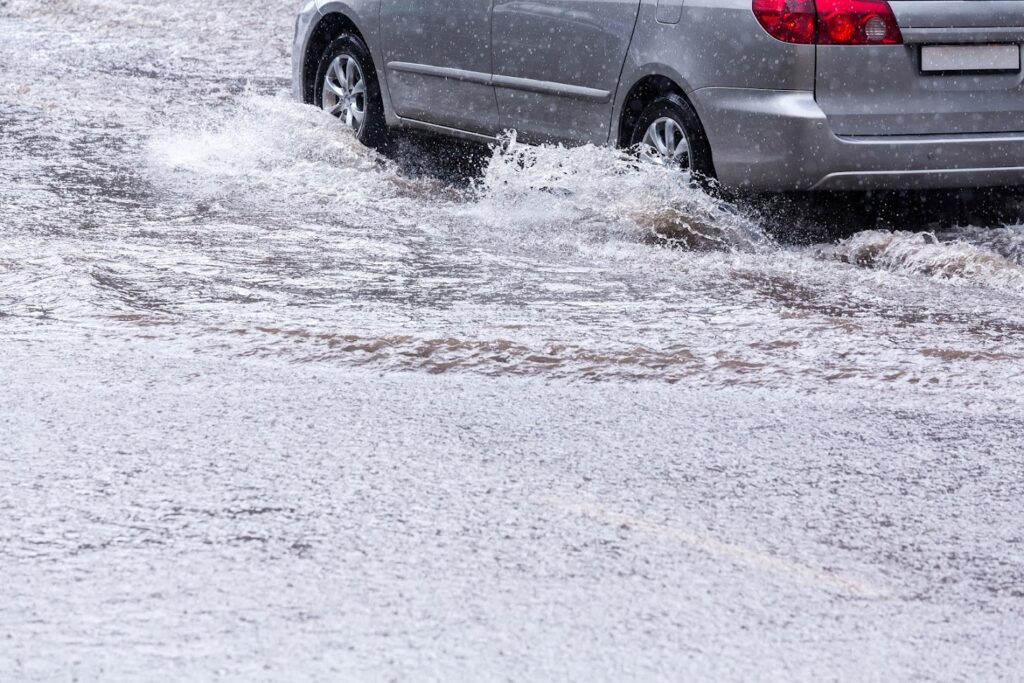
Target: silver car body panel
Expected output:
[802,152]
[431,50]
[579,55]
[777,116]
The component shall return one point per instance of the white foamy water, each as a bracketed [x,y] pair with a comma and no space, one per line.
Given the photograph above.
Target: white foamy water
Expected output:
[567,262]
[967,257]
[274,405]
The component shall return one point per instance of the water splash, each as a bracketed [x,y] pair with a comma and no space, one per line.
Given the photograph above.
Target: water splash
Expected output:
[608,193]
[267,146]
[271,146]
[956,261]
[1007,241]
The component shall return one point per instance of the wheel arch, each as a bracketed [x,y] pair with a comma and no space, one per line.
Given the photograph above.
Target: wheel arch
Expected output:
[648,84]
[333,23]
[644,90]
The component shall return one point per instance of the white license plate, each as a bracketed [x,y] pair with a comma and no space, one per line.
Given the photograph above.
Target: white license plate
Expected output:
[970,58]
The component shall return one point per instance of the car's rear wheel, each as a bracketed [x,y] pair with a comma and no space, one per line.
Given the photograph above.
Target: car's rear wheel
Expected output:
[347,88]
[669,132]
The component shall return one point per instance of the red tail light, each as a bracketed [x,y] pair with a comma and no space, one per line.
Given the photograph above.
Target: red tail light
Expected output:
[791,21]
[829,22]
[857,22]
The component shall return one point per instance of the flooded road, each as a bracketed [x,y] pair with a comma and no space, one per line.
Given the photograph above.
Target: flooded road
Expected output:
[275,406]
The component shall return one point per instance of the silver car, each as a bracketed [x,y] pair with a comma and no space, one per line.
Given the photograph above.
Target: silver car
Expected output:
[760,94]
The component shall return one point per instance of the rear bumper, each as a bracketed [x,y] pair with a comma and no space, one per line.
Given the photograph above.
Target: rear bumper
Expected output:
[772,140]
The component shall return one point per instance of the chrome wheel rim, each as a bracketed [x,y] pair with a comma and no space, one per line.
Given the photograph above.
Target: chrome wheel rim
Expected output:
[344,93]
[665,142]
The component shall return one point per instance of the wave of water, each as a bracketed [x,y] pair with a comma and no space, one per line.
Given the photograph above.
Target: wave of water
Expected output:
[968,256]
[289,153]
[598,190]
[291,157]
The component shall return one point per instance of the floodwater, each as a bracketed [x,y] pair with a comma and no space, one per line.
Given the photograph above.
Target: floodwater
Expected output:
[276,406]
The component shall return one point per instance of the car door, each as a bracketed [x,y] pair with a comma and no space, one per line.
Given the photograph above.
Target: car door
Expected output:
[557,65]
[437,56]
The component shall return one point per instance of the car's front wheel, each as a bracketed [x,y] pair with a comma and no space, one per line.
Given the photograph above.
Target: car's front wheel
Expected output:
[669,132]
[347,88]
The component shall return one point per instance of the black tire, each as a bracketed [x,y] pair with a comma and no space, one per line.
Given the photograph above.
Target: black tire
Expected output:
[373,131]
[678,109]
